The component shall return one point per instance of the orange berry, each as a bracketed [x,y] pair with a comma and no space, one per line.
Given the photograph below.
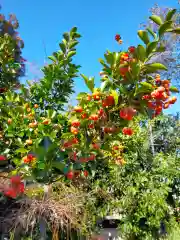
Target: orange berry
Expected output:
[166,105]
[96,96]
[9,121]
[115,147]
[166,82]
[120,41]
[46,121]
[166,86]
[74,130]
[29,142]
[30,114]
[88,97]
[78,109]
[172,100]
[28,109]
[33,124]
[36,106]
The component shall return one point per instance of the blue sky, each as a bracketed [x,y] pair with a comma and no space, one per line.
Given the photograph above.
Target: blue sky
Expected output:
[42,23]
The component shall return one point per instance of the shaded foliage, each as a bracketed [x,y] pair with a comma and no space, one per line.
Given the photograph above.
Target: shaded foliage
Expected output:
[11,61]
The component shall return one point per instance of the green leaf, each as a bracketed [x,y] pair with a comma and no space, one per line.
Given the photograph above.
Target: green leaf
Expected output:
[176,30]
[81,95]
[141,52]
[135,69]
[115,95]
[101,61]
[117,57]
[73,44]
[105,84]
[52,58]
[153,67]
[156,19]
[109,58]
[66,36]
[53,135]
[17,99]
[75,35]
[66,135]
[22,150]
[123,89]
[51,113]
[73,30]
[41,165]
[58,165]
[10,134]
[150,31]
[164,27]
[63,47]
[71,53]
[174,89]
[89,82]
[7,150]
[170,14]
[151,47]
[143,36]
[144,88]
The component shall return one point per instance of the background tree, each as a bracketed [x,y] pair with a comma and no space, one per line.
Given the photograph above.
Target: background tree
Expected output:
[171,42]
[11,61]
[141,189]
[55,88]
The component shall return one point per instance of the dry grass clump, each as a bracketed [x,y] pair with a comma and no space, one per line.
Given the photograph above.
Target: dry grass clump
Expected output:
[61,208]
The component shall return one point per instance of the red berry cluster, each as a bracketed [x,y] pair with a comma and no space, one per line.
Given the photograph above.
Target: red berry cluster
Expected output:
[127,113]
[30,158]
[118,38]
[73,156]
[104,102]
[70,143]
[74,174]
[108,101]
[2,158]
[160,98]
[127,131]
[16,187]
[131,49]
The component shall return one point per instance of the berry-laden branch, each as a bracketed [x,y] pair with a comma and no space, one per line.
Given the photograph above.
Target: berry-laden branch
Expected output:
[42,144]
